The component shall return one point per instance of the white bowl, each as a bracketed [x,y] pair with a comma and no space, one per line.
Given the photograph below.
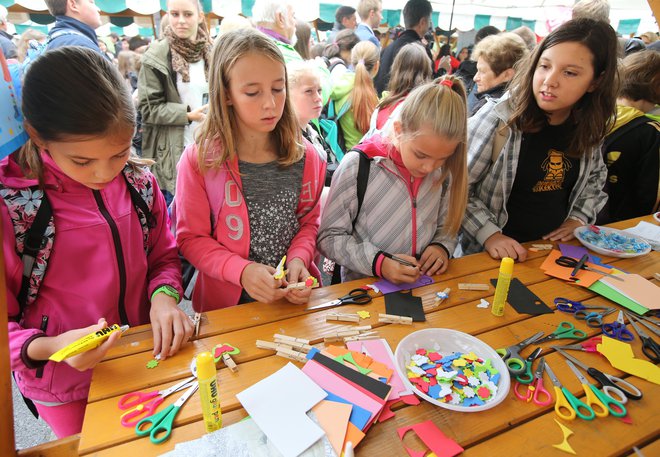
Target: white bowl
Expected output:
[578,232]
[447,341]
[656,216]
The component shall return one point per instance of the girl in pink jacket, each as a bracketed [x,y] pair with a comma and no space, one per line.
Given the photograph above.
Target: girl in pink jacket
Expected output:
[248,191]
[105,256]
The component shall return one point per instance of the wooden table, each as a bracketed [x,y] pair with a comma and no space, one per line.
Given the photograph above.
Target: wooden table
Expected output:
[510,429]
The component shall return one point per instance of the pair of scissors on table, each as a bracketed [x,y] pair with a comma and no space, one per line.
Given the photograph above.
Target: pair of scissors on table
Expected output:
[143,404]
[599,402]
[567,405]
[584,312]
[589,345]
[578,265]
[536,392]
[618,330]
[650,348]
[526,377]
[645,323]
[566,330]
[163,422]
[354,297]
[511,354]
[613,386]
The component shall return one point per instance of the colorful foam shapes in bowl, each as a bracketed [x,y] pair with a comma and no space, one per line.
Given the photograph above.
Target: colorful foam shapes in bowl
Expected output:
[611,242]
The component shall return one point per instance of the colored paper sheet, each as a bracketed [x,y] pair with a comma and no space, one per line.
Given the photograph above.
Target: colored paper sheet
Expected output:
[279,403]
[359,416]
[585,278]
[577,252]
[380,350]
[606,291]
[354,435]
[431,435]
[636,288]
[333,419]
[387,287]
[405,304]
[621,356]
[523,300]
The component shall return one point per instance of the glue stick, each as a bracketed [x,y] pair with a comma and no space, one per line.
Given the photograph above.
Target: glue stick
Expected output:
[502,289]
[208,391]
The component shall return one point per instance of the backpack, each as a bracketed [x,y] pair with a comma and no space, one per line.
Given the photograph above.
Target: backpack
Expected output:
[35,49]
[330,128]
[34,228]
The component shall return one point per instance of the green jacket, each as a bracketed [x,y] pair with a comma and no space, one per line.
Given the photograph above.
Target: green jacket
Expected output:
[341,94]
[164,117]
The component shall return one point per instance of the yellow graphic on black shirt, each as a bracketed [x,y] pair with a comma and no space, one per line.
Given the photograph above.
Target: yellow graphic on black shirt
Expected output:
[555,167]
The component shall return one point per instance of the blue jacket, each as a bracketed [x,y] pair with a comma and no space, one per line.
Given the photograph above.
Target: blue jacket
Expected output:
[364,33]
[82,34]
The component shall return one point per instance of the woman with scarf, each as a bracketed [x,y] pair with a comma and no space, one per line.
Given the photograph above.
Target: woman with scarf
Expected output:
[173,89]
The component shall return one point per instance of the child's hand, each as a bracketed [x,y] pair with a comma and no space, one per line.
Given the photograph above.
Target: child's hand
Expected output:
[257,280]
[500,246]
[434,260]
[297,273]
[565,231]
[396,273]
[88,359]
[171,326]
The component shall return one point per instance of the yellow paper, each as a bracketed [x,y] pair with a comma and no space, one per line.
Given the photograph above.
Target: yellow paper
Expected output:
[564,446]
[621,356]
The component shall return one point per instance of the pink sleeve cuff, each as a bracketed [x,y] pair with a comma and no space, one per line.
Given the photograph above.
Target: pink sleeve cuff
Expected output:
[379,263]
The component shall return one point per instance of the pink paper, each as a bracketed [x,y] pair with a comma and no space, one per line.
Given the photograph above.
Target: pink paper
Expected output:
[431,435]
[387,287]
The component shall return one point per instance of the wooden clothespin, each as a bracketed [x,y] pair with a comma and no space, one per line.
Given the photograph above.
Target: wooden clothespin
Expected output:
[470,286]
[279,336]
[343,317]
[393,319]
[261,344]
[292,355]
[310,283]
[229,362]
[362,336]
[437,301]
[295,343]
[542,247]
[656,276]
[197,322]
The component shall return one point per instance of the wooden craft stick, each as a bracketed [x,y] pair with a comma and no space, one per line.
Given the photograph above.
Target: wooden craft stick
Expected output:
[290,338]
[542,247]
[294,345]
[333,339]
[344,317]
[229,362]
[362,336]
[393,319]
[292,355]
[468,286]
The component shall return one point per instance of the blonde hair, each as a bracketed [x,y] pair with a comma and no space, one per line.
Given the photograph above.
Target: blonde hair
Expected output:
[598,10]
[219,127]
[364,99]
[297,69]
[24,42]
[366,6]
[501,51]
[441,107]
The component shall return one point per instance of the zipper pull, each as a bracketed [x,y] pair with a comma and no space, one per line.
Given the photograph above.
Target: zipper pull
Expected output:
[414,202]
[44,323]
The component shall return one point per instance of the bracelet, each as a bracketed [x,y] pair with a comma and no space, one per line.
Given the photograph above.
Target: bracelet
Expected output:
[167,290]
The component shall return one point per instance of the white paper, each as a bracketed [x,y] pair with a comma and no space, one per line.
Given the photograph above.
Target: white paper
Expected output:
[278,405]
[650,232]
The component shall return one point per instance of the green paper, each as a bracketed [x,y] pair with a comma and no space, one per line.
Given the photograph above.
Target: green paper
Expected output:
[617,297]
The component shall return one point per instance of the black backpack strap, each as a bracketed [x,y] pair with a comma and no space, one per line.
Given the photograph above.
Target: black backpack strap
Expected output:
[35,240]
[612,137]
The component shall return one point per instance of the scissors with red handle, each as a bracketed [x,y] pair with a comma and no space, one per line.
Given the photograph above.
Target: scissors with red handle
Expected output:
[144,404]
[535,392]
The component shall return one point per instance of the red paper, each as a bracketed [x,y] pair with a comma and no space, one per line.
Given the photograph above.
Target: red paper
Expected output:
[431,435]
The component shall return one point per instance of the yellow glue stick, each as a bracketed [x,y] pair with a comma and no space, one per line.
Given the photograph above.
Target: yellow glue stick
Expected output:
[502,289]
[87,342]
[208,391]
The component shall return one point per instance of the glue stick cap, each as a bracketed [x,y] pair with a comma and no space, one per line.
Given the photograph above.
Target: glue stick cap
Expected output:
[506,266]
[205,366]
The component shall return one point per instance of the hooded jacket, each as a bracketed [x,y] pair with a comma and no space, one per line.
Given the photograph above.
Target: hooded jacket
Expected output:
[97,257]
[215,238]
[83,35]
[341,94]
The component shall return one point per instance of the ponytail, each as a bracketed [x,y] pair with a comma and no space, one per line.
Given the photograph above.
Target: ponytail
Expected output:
[364,98]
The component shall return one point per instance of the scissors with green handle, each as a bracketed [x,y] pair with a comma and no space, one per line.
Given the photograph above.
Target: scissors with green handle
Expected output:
[511,354]
[599,402]
[567,405]
[526,377]
[566,330]
[161,423]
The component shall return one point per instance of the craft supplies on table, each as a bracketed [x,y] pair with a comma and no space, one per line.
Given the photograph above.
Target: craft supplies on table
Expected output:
[502,289]
[159,426]
[472,286]
[565,330]
[535,392]
[514,362]
[611,242]
[354,297]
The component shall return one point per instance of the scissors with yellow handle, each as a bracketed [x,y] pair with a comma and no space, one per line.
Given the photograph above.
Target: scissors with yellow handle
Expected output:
[601,403]
[567,405]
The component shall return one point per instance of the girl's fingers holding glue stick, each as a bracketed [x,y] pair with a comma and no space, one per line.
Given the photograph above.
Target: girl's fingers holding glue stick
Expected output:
[89,359]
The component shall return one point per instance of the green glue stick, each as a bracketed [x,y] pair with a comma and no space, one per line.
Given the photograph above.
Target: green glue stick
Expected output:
[502,289]
[208,391]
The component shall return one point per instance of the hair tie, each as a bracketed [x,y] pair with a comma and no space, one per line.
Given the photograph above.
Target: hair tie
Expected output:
[361,61]
[447,82]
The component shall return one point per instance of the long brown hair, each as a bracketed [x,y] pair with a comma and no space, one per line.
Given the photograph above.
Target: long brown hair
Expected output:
[364,57]
[218,129]
[411,68]
[593,113]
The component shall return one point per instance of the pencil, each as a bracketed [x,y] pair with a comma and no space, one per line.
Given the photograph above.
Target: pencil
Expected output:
[400,260]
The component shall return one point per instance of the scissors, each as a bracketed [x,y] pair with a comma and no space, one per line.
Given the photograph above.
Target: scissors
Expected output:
[163,421]
[652,328]
[650,348]
[578,265]
[536,391]
[612,385]
[354,297]
[618,330]
[511,354]
[567,405]
[566,330]
[145,404]
[585,346]
[601,403]
[526,377]
[581,312]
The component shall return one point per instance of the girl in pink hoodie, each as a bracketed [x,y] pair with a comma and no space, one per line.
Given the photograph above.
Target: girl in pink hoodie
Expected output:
[248,191]
[106,256]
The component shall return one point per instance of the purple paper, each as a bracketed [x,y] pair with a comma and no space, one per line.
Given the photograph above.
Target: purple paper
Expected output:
[577,252]
[387,287]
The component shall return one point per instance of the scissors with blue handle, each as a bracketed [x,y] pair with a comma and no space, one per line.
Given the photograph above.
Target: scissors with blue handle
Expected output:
[578,265]
[143,404]
[584,312]
[618,330]
[613,386]
[599,402]
[163,422]
[526,377]
[567,405]
[535,393]
[511,354]
[650,348]
[566,330]
[354,297]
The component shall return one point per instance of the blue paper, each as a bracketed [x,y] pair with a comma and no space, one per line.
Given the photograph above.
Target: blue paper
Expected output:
[12,134]
[359,416]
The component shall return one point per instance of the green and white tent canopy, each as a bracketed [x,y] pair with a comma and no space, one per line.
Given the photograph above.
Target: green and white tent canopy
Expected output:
[627,16]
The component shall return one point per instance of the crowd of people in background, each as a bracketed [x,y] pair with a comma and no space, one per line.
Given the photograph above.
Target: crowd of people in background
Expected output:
[271,140]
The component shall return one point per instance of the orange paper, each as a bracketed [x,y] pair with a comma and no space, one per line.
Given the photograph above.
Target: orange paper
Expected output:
[637,288]
[585,278]
[333,419]
[354,435]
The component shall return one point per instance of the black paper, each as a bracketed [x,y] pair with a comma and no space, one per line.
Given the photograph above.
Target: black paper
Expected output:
[523,300]
[402,304]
